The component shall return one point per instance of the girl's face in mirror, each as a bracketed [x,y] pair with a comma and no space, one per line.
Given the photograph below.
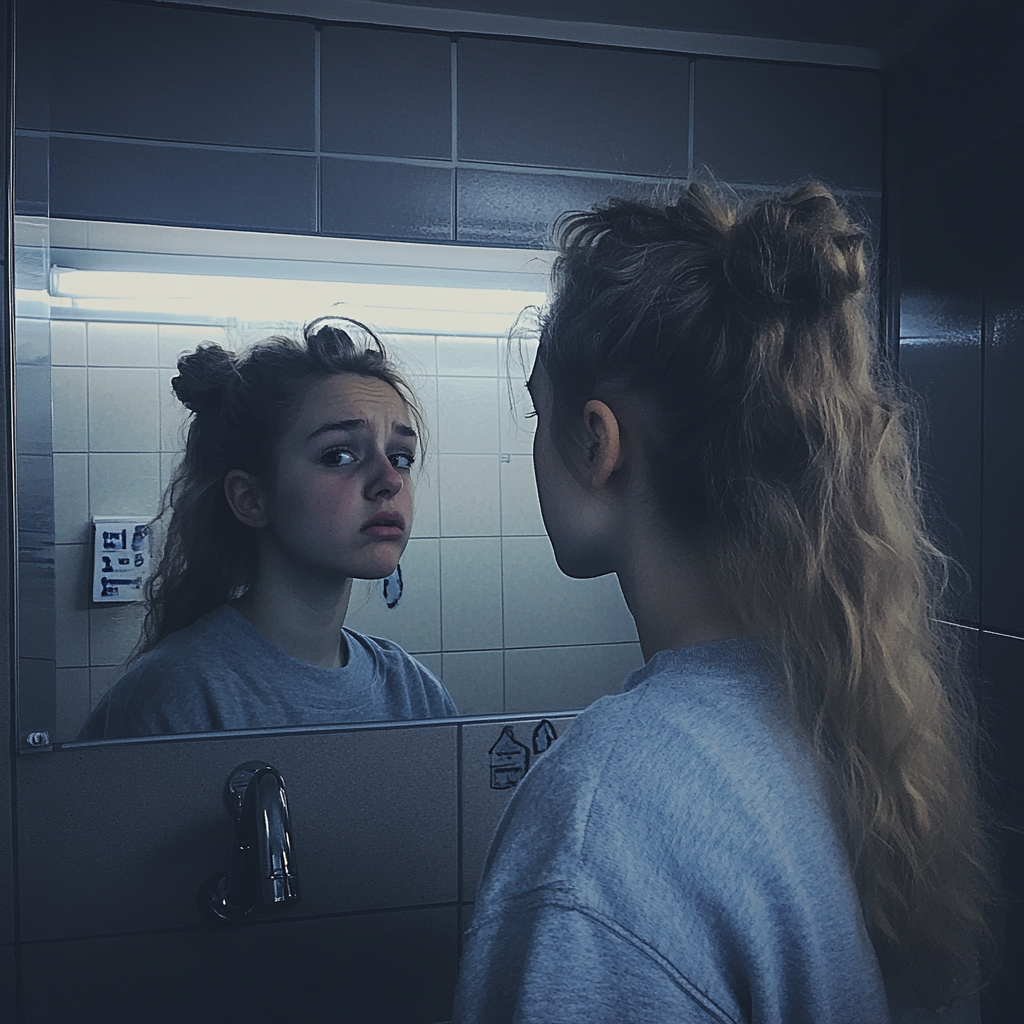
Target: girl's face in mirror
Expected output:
[341,501]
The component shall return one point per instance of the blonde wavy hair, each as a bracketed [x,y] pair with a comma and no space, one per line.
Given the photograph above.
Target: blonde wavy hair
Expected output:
[747,332]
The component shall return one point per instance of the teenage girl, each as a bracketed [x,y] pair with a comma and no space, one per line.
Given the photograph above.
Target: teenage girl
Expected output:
[778,819]
[296,479]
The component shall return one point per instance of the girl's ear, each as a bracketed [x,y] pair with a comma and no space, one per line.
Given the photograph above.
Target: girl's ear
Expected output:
[245,498]
[603,442]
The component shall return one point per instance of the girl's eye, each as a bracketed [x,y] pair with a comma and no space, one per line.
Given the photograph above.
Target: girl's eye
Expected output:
[402,460]
[337,457]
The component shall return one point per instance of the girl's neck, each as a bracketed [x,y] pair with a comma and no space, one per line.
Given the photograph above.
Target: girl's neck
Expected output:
[301,615]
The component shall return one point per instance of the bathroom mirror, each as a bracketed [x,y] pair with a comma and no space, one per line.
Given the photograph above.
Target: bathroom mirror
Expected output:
[103,312]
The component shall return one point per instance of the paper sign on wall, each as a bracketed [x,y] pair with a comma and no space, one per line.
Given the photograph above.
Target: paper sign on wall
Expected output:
[120,558]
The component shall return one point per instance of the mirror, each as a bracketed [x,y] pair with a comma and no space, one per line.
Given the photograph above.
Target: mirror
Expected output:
[104,311]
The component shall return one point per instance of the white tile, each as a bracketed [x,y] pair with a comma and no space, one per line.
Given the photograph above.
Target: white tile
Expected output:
[68,386]
[516,427]
[470,496]
[100,678]
[174,417]
[67,343]
[467,415]
[471,594]
[124,410]
[415,623]
[73,705]
[122,344]
[415,354]
[520,507]
[566,678]
[124,484]
[71,498]
[476,681]
[426,514]
[177,339]
[544,607]
[114,630]
[467,357]
[72,590]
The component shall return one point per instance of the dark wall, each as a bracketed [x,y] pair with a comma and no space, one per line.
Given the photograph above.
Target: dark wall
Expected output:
[155,113]
[955,108]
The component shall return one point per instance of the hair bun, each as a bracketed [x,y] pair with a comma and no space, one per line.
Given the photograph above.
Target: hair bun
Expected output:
[798,251]
[202,378]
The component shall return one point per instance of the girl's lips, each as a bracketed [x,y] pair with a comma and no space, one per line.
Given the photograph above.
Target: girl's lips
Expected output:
[383,531]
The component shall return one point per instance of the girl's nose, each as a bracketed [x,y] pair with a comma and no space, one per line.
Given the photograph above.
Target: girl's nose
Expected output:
[384,480]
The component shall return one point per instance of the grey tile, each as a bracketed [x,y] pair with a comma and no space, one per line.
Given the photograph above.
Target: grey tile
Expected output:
[471,594]
[100,680]
[566,678]
[32,340]
[35,496]
[73,705]
[520,506]
[520,209]
[373,815]
[187,75]
[8,985]
[377,199]
[151,184]
[32,195]
[467,415]
[71,498]
[482,803]
[124,483]
[467,357]
[115,344]
[73,564]
[385,92]
[37,696]
[124,410]
[774,123]
[476,681]
[114,630]
[588,108]
[177,339]
[386,968]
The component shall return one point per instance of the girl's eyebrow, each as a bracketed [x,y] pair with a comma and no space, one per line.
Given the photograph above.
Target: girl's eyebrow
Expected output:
[338,425]
[404,430]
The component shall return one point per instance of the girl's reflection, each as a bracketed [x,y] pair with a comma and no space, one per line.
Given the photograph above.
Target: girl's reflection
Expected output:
[296,479]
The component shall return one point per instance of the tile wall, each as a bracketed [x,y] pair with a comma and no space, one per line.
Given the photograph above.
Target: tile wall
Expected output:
[485,606]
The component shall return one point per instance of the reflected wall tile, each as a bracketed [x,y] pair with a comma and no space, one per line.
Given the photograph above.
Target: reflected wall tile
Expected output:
[70,408]
[424,388]
[467,357]
[426,515]
[124,411]
[415,623]
[520,506]
[548,105]
[468,416]
[545,607]
[34,424]
[168,464]
[116,344]
[475,679]
[67,343]
[124,484]
[471,594]
[31,338]
[417,354]
[431,661]
[114,630]
[174,417]
[101,677]
[566,678]
[470,505]
[73,705]
[71,498]
[73,586]
[174,340]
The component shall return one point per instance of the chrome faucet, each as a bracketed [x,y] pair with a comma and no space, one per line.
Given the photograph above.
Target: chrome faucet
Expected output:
[261,866]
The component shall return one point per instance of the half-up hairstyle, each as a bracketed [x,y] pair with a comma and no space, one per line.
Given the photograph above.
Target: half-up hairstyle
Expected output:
[241,406]
[743,336]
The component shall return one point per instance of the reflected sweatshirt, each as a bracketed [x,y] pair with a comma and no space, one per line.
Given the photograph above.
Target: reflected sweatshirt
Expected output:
[671,859]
